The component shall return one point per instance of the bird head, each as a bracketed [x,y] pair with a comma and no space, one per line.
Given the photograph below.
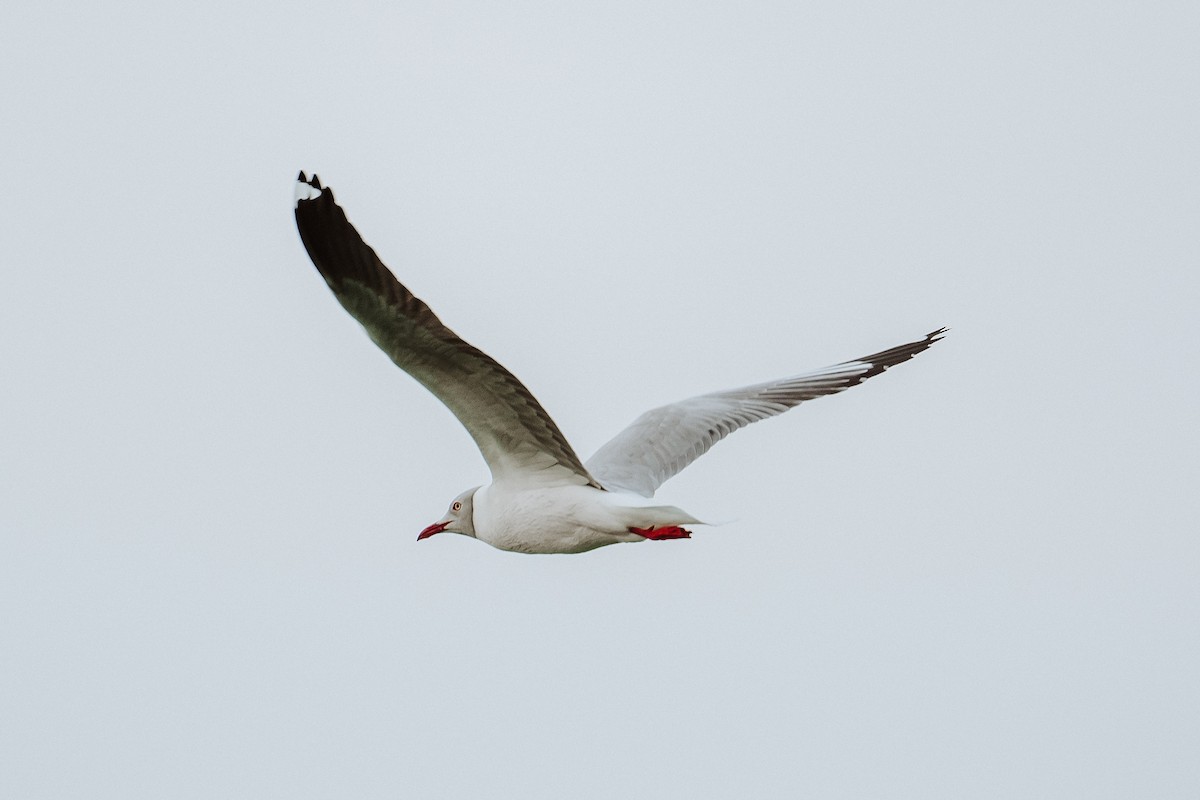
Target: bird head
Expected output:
[459,518]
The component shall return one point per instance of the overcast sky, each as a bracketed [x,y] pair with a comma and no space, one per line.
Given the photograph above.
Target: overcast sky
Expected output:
[974,576]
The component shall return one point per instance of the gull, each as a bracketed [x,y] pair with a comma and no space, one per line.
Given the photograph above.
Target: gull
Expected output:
[543,498]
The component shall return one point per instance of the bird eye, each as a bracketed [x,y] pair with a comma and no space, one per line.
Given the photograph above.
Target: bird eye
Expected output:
[457,505]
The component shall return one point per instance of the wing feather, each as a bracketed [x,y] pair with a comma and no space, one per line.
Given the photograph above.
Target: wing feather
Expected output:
[664,440]
[518,439]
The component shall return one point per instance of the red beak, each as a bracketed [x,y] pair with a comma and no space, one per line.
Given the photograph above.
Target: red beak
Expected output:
[436,527]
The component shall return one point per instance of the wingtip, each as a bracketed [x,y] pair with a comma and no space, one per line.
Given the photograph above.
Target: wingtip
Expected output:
[937,335]
[307,189]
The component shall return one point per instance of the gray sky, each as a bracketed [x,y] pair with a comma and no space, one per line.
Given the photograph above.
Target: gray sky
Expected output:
[974,576]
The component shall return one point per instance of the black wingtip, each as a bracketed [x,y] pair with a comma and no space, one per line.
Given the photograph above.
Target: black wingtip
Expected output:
[310,189]
[896,355]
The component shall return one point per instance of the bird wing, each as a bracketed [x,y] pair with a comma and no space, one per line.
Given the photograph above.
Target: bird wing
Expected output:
[518,439]
[661,442]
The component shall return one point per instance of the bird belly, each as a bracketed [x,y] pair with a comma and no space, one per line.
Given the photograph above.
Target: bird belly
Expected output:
[566,519]
[556,539]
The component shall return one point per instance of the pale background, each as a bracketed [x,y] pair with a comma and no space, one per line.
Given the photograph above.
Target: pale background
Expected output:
[974,576]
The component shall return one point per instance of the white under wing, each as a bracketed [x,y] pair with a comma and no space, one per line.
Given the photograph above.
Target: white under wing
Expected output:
[661,442]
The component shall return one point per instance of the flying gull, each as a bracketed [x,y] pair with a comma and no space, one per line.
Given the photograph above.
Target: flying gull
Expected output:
[543,498]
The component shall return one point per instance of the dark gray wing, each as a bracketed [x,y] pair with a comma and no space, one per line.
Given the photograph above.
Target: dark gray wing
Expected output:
[663,441]
[518,439]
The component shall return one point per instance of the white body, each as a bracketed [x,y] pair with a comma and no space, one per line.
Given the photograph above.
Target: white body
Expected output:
[564,519]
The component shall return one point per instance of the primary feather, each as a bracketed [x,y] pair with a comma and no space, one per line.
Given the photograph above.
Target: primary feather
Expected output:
[664,440]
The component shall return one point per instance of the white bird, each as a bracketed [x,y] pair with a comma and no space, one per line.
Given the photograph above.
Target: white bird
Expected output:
[542,498]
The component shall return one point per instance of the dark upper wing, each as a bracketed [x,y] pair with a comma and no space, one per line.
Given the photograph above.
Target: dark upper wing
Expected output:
[518,439]
[663,441]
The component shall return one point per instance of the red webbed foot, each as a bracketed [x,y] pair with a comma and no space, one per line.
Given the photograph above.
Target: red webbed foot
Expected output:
[669,532]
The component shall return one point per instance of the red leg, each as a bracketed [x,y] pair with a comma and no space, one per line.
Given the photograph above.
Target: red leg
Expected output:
[669,532]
